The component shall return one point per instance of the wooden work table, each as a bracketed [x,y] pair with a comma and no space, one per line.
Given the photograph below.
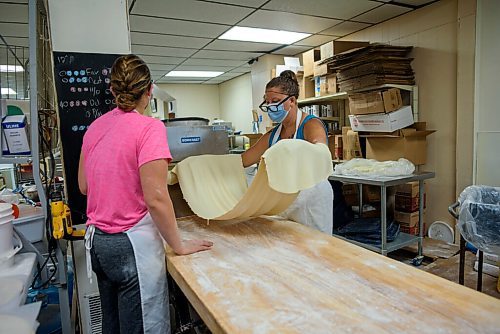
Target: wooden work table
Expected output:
[276,276]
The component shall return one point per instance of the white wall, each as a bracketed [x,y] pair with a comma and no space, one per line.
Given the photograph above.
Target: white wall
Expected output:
[195,100]
[91,26]
[486,110]
[236,102]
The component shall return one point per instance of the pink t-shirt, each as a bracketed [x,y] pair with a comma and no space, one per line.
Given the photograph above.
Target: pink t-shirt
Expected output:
[114,147]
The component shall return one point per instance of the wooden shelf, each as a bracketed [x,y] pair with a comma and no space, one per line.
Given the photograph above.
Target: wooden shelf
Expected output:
[326,98]
[330,119]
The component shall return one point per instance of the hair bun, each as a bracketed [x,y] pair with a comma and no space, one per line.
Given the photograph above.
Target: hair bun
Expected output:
[289,75]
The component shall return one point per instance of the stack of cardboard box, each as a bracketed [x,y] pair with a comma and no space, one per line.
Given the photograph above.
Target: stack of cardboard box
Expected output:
[371,199]
[406,207]
[319,78]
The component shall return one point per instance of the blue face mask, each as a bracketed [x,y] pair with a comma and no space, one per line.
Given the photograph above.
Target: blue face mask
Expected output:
[279,115]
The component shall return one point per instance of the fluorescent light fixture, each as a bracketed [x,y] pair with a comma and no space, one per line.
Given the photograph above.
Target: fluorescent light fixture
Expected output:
[248,34]
[11,68]
[8,91]
[194,74]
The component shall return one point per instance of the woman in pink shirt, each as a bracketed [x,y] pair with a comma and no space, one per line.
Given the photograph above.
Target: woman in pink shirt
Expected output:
[123,171]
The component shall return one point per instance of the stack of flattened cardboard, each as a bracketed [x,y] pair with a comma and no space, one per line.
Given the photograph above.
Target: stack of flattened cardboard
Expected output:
[372,65]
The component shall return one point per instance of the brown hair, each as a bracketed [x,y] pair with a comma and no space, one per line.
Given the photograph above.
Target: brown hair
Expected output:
[286,82]
[130,79]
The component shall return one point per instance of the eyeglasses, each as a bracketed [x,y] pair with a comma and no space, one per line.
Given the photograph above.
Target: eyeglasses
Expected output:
[272,107]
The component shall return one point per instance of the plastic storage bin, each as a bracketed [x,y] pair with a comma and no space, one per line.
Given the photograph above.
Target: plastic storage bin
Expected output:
[31,227]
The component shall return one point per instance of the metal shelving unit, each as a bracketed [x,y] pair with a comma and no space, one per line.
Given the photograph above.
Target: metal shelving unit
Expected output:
[384,182]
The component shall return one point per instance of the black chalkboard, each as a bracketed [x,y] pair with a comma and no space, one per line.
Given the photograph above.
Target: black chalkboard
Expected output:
[82,87]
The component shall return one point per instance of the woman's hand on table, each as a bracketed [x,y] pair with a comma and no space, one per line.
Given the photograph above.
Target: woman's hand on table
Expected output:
[194,246]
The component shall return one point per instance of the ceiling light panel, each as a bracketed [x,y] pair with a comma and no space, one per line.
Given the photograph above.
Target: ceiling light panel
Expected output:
[168,40]
[241,46]
[249,34]
[382,13]
[8,91]
[176,27]
[194,74]
[339,9]
[192,10]
[345,28]
[287,21]
[11,68]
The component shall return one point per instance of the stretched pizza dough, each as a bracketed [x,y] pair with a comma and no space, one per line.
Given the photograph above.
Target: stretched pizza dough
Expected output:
[215,186]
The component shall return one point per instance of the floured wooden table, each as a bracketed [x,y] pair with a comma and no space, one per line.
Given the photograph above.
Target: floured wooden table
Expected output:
[276,276]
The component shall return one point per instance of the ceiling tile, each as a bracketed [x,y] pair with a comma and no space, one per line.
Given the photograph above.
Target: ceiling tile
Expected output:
[161,60]
[160,68]
[168,40]
[287,21]
[315,40]
[214,62]
[240,70]
[382,13]
[345,28]
[184,67]
[241,46]
[16,41]
[234,55]
[292,50]
[191,10]
[177,80]
[14,29]
[13,12]
[416,2]
[247,3]
[339,9]
[213,82]
[176,27]
[162,51]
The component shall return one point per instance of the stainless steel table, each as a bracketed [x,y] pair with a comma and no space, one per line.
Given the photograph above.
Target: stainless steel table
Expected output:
[384,182]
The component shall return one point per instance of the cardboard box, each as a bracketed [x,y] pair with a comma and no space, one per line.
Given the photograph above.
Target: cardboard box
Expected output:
[338,154]
[332,48]
[351,146]
[16,135]
[322,69]
[410,143]
[328,85]
[407,218]
[375,102]
[308,59]
[410,189]
[407,203]
[390,122]
[409,230]
[371,194]
[306,87]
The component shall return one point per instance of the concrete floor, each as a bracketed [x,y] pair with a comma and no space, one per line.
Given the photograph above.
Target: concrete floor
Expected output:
[442,259]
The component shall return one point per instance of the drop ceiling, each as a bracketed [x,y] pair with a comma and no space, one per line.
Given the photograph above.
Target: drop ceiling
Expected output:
[182,34]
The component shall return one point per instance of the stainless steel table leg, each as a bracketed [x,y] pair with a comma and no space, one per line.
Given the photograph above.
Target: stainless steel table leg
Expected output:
[420,216]
[383,195]
[360,199]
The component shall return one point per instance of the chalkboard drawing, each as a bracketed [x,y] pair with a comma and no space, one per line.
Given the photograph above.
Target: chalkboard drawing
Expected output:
[74,128]
[68,73]
[71,80]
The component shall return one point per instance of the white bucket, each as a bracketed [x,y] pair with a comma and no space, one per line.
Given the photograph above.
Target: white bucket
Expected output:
[7,236]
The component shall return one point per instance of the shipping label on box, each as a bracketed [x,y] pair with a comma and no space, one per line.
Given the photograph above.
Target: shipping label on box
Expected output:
[16,135]
[383,122]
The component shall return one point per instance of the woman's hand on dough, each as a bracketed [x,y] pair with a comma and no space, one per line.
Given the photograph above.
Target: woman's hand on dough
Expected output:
[194,246]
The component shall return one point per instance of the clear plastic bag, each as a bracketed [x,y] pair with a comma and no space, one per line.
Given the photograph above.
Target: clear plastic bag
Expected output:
[479,217]
[370,167]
